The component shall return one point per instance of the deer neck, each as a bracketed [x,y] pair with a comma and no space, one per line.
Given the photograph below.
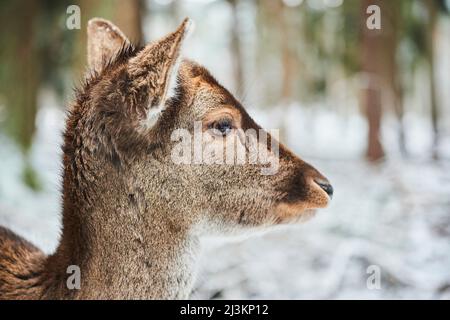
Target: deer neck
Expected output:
[124,249]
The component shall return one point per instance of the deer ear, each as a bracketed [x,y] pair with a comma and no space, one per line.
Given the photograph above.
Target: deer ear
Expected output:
[104,41]
[155,69]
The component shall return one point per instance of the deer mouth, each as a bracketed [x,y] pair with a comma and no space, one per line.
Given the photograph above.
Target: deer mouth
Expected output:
[293,212]
[304,196]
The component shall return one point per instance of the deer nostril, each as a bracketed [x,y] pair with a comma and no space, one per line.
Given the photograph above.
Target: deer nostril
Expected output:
[326,186]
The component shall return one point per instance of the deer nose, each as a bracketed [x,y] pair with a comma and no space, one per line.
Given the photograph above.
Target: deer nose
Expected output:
[325,186]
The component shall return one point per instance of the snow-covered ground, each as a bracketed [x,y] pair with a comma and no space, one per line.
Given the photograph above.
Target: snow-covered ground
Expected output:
[393,217]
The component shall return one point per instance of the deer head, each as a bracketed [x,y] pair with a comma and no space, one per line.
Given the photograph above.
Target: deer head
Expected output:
[121,140]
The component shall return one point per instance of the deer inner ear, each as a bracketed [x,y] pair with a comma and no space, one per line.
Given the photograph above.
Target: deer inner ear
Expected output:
[155,69]
[104,41]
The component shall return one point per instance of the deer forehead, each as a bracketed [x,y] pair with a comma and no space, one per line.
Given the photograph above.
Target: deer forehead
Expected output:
[211,101]
[223,111]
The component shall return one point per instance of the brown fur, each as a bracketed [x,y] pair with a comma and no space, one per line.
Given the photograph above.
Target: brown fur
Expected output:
[21,266]
[131,217]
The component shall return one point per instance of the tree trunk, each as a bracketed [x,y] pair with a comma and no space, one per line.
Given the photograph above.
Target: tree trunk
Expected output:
[89,9]
[236,50]
[126,14]
[430,52]
[21,71]
[287,54]
[21,76]
[371,51]
[372,102]
[128,17]
[392,23]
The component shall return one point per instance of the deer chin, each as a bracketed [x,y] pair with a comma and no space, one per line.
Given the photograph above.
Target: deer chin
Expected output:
[293,213]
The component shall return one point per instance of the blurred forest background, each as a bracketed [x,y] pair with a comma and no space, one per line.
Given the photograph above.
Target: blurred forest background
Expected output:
[372,107]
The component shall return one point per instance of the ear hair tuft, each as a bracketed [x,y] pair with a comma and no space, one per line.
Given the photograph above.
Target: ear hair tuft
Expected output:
[155,68]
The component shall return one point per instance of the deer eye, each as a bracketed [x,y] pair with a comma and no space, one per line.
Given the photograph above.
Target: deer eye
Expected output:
[222,127]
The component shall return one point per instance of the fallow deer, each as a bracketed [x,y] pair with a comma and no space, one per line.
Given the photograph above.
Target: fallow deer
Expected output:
[131,217]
